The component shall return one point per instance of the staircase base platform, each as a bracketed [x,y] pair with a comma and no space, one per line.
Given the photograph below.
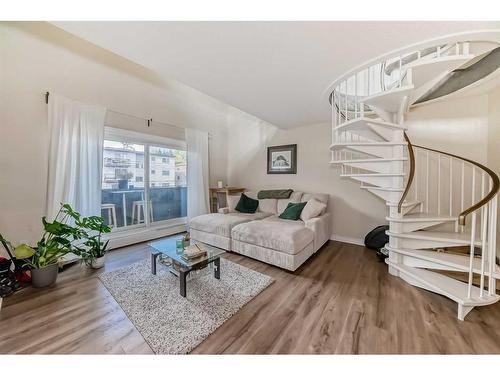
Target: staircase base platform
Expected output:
[453,289]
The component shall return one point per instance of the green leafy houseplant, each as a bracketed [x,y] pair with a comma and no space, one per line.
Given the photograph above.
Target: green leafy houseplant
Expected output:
[93,246]
[58,238]
[69,232]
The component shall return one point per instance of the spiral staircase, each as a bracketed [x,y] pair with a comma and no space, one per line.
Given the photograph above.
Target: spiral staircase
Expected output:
[442,207]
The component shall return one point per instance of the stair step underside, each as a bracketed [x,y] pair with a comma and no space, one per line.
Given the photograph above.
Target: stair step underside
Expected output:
[371,160]
[406,207]
[452,238]
[361,122]
[373,175]
[398,190]
[455,261]
[446,286]
[405,203]
[374,144]
[425,70]
[421,216]
[389,100]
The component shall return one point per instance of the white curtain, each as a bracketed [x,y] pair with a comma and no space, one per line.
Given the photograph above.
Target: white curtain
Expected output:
[76,136]
[197,172]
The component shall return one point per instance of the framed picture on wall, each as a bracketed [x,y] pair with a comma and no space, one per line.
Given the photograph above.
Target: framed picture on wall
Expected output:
[282,159]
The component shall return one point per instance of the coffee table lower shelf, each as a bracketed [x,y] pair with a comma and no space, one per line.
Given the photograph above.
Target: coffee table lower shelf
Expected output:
[184,272]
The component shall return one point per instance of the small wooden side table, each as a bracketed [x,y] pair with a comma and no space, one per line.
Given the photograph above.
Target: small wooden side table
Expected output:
[214,192]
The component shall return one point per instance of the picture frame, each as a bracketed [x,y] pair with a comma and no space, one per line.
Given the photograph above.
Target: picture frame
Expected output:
[282,159]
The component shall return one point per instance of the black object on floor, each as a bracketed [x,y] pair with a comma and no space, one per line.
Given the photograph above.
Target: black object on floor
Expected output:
[377,239]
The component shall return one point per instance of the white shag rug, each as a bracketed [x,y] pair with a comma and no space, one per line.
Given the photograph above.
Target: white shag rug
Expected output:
[170,323]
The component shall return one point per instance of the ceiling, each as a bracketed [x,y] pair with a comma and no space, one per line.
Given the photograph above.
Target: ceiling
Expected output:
[276,71]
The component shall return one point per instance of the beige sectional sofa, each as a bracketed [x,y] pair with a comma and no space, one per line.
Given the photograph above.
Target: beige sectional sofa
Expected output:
[263,235]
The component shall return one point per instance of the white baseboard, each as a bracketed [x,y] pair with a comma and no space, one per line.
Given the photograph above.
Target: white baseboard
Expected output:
[351,240]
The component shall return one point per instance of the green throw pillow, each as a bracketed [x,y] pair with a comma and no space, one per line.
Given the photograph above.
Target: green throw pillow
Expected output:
[293,211]
[247,205]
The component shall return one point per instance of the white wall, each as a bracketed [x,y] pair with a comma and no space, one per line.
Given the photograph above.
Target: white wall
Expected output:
[459,126]
[36,57]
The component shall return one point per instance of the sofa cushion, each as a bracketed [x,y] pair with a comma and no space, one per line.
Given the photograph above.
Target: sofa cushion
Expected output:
[247,205]
[292,211]
[323,198]
[274,233]
[232,201]
[312,209]
[283,203]
[221,224]
[268,205]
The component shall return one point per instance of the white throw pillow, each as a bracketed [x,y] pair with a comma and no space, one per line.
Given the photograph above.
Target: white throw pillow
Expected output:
[232,201]
[312,209]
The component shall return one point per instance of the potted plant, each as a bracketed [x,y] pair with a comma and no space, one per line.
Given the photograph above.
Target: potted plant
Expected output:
[57,241]
[94,250]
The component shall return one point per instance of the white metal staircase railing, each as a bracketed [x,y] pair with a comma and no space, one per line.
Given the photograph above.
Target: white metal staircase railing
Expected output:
[431,194]
[457,187]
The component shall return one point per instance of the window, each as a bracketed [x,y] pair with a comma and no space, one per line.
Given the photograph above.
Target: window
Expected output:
[131,177]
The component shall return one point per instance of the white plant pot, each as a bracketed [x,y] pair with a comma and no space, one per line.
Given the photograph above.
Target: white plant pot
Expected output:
[98,262]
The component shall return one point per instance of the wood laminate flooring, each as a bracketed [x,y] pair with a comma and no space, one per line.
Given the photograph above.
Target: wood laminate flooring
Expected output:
[341,301]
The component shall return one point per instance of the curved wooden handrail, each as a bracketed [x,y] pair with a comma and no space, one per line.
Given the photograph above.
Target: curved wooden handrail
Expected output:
[461,218]
[412,171]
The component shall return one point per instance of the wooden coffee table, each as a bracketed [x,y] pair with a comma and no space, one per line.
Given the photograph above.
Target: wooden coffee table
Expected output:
[167,248]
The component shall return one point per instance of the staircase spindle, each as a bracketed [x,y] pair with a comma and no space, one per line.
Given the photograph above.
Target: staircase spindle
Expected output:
[462,192]
[491,230]
[356,95]
[484,228]
[427,181]
[471,255]
[439,185]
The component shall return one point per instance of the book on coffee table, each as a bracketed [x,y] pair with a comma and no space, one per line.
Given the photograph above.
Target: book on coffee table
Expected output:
[193,252]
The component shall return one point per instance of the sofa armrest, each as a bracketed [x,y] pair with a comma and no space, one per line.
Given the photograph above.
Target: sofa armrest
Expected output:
[223,210]
[321,227]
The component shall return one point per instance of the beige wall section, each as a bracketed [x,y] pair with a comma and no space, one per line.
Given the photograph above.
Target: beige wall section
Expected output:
[38,57]
[458,126]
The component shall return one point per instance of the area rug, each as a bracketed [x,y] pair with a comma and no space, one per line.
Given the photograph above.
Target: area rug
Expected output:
[171,324]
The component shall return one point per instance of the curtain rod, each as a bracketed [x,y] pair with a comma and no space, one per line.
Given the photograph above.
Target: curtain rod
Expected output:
[149,121]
